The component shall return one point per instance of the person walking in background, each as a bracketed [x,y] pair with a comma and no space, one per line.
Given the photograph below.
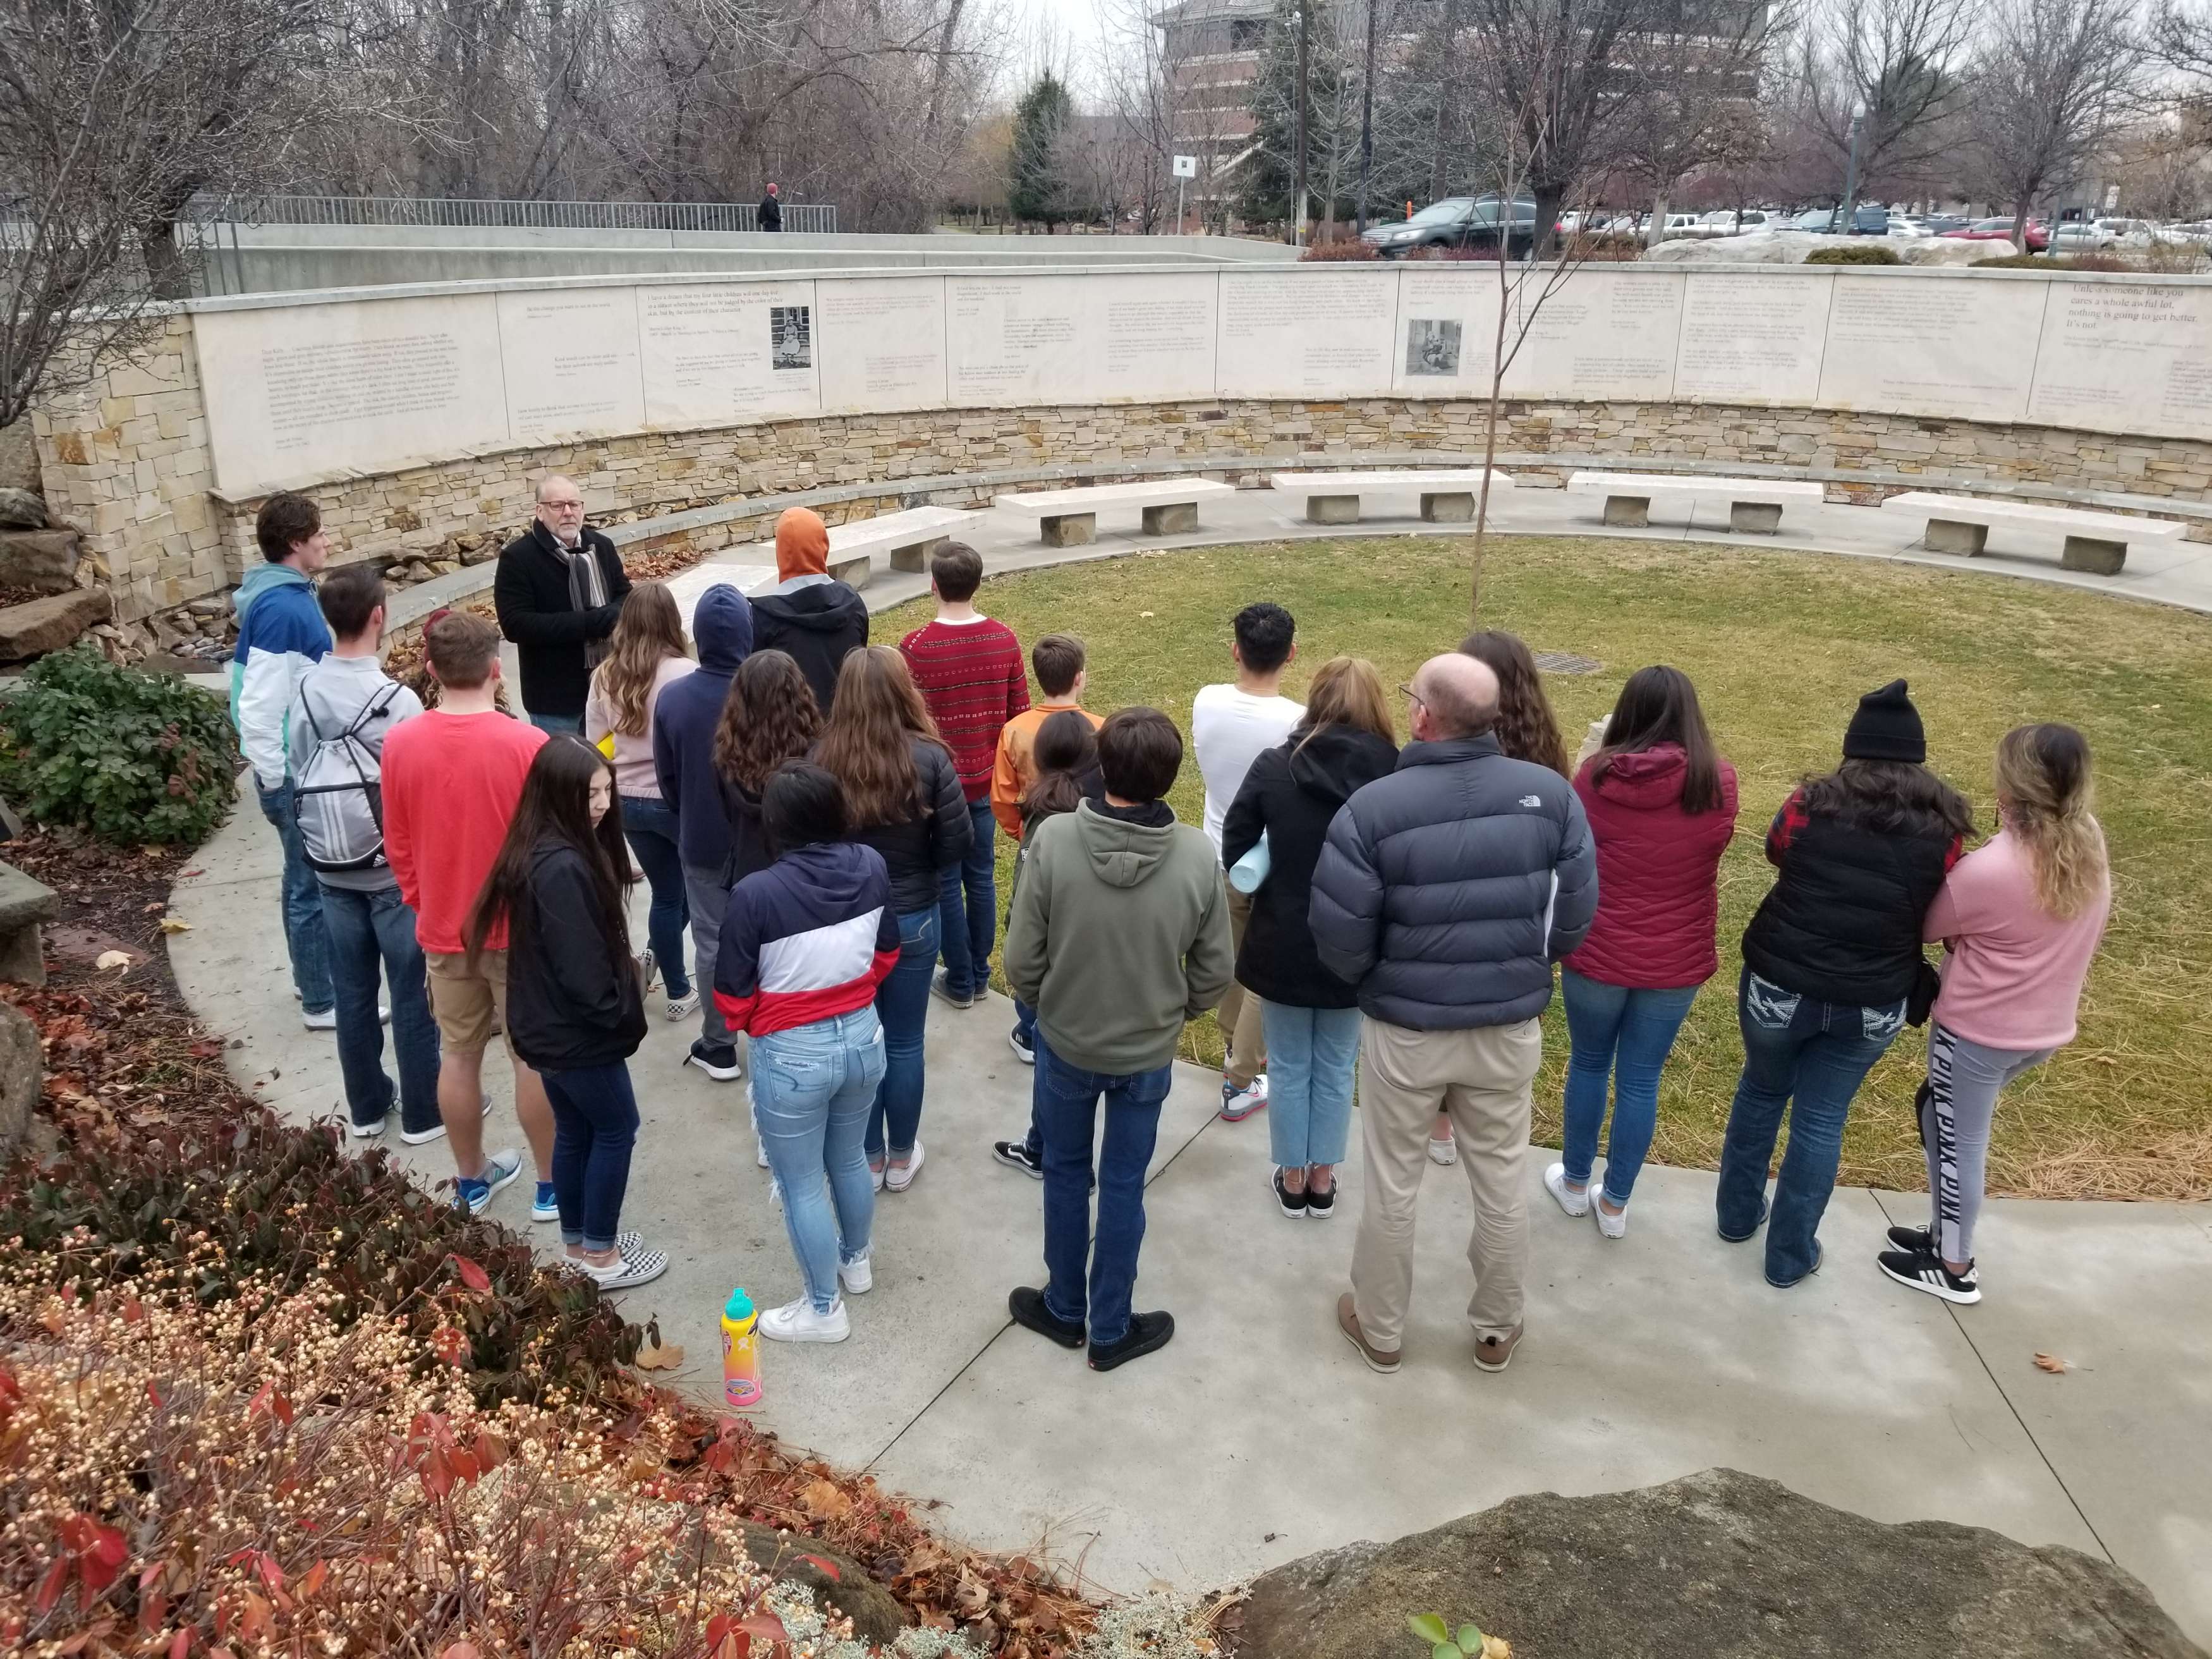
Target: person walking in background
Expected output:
[558,590]
[809,615]
[451,782]
[1119,935]
[646,655]
[903,799]
[770,214]
[343,710]
[2021,918]
[576,1004]
[1230,726]
[969,671]
[683,719]
[1452,990]
[805,945]
[1066,757]
[1057,660]
[1289,797]
[280,634]
[1830,961]
[1662,805]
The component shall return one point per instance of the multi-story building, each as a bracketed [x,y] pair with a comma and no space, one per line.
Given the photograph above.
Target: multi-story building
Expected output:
[1212,58]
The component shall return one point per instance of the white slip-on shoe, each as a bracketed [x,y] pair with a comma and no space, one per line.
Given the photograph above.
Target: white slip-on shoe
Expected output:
[681,1007]
[1444,1152]
[1555,1183]
[1612,1222]
[797,1322]
[897,1177]
[857,1276]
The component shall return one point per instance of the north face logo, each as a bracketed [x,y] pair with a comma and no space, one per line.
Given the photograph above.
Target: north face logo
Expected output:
[1532,800]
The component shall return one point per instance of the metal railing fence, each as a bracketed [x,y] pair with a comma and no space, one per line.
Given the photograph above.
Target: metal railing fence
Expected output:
[494,213]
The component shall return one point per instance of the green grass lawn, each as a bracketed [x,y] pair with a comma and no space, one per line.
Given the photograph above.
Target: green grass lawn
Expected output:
[1780,645]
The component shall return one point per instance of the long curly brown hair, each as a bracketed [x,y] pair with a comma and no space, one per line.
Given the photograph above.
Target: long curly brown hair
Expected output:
[1527,730]
[769,717]
[867,743]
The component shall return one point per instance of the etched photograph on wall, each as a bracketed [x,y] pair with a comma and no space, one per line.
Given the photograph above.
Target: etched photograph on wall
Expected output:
[1432,345]
[790,331]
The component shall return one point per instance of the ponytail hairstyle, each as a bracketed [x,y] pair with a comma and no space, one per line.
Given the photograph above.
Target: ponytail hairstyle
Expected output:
[1065,752]
[2044,791]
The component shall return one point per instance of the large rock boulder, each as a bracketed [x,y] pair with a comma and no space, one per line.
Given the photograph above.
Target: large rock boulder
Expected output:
[20,509]
[44,561]
[19,1075]
[1716,1566]
[19,457]
[1790,247]
[51,623]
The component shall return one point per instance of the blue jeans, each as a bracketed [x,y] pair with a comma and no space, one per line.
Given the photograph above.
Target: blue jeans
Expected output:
[1620,1037]
[1312,1054]
[1026,1027]
[372,937]
[557,724]
[594,1126]
[651,828]
[814,1087]
[1810,1056]
[1066,1106]
[967,908]
[300,901]
[902,1006]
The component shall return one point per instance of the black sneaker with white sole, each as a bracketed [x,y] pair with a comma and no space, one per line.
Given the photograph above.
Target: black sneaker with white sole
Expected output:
[720,1064]
[1017,1155]
[1913,1239]
[1923,1270]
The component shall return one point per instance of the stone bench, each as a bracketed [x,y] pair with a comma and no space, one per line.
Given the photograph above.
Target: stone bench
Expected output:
[2095,542]
[1754,504]
[24,903]
[911,536]
[1447,493]
[1069,518]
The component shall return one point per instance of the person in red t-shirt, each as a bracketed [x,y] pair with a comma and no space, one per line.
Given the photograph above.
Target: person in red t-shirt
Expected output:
[969,669]
[450,787]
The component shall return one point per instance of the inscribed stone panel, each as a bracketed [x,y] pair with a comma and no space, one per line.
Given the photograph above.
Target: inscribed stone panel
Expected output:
[720,354]
[1604,332]
[2126,357]
[882,345]
[1753,336]
[1122,337]
[1931,343]
[1310,331]
[1447,331]
[572,362]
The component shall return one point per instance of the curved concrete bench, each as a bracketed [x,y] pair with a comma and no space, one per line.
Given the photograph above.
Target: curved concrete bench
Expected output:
[1447,493]
[2095,542]
[912,536]
[1754,504]
[1069,518]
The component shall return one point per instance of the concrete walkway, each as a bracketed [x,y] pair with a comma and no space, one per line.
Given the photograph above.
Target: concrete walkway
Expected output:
[1258,1435]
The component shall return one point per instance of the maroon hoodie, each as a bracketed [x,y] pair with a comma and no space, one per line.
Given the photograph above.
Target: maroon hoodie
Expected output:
[1658,895]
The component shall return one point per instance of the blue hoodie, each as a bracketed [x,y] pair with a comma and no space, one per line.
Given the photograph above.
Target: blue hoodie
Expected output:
[684,719]
[281,636]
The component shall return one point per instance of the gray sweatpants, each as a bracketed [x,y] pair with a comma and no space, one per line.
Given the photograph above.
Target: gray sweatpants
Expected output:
[709,900]
[1964,1080]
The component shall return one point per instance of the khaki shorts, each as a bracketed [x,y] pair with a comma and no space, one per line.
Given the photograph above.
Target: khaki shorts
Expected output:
[465,1001]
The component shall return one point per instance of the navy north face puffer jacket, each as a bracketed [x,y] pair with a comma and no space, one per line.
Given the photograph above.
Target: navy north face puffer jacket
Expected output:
[1448,889]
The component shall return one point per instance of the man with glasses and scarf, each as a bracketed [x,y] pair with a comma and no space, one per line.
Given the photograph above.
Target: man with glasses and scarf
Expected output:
[558,592]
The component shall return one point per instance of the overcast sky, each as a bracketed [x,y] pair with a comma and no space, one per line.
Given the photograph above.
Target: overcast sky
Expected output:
[1066,32]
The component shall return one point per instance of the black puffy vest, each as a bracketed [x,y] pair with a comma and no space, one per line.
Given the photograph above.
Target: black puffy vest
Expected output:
[1843,922]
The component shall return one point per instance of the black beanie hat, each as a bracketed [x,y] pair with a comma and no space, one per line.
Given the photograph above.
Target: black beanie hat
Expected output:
[1887,727]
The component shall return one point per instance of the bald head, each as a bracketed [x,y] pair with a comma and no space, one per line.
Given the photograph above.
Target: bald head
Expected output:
[1458,695]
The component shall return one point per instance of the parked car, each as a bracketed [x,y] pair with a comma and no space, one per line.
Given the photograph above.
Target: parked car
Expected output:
[1999,230]
[1908,225]
[1942,224]
[2087,235]
[1679,225]
[1728,222]
[1869,219]
[1459,221]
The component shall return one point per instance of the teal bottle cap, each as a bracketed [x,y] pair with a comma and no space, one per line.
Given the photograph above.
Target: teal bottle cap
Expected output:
[740,1306]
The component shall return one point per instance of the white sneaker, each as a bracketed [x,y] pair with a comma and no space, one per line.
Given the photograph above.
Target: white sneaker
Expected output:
[1612,1222]
[898,1180]
[1573,1202]
[328,1019]
[680,1007]
[424,1137]
[876,1176]
[797,1322]
[1446,1152]
[857,1277]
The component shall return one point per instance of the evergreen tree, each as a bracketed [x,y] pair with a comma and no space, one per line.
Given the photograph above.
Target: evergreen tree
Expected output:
[1042,119]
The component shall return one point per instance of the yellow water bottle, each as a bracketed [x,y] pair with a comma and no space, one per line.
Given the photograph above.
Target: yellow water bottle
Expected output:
[741,1385]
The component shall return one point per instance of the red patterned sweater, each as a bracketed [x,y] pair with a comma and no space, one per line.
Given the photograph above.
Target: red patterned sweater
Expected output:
[970,675]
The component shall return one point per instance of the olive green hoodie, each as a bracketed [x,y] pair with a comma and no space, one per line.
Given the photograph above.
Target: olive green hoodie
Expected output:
[1119,933]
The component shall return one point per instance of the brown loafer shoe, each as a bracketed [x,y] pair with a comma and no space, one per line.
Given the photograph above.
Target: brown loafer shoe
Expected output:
[1495,1353]
[1348,1322]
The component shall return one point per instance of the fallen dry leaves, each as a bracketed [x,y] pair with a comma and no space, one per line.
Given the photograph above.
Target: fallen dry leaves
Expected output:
[658,1356]
[2052,1363]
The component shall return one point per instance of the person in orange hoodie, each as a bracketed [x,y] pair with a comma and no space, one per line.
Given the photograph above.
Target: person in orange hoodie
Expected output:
[809,615]
[1056,660]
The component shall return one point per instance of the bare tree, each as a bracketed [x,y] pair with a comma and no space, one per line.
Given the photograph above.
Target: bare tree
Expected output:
[2052,83]
[1696,71]
[1900,61]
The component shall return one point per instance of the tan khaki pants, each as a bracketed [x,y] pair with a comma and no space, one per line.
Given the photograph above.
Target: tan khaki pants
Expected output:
[1479,1079]
[1239,1013]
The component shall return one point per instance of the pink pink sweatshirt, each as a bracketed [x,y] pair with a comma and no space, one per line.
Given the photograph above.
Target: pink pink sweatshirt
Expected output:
[2013,976]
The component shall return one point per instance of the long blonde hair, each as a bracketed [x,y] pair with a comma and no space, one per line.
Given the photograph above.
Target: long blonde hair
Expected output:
[867,742]
[1347,691]
[2044,791]
[649,631]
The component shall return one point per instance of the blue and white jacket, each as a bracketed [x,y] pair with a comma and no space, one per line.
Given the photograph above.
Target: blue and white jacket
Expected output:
[281,636]
[808,938]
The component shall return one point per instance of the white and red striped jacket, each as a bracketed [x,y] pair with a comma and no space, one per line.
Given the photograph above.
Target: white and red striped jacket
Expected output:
[807,938]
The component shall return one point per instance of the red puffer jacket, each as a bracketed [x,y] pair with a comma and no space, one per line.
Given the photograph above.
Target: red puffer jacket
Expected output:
[1658,896]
